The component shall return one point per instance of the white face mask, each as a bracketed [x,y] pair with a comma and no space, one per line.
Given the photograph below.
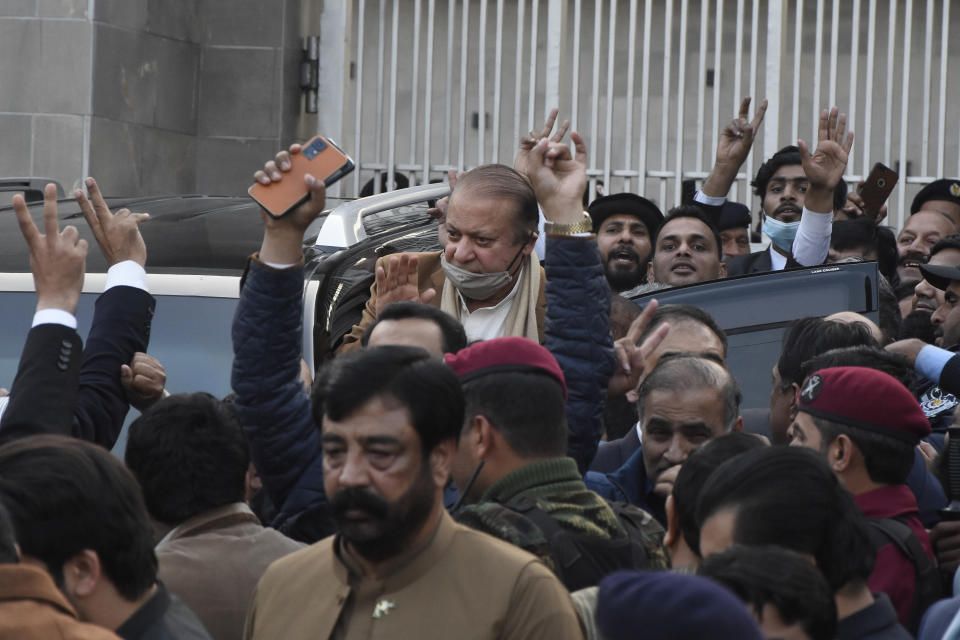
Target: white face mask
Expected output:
[781,234]
[477,286]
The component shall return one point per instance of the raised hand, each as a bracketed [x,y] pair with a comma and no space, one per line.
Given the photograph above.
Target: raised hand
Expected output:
[283,237]
[733,147]
[522,162]
[559,178]
[143,380]
[397,281]
[824,168]
[736,139]
[631,357]
[117,234]
[57,258]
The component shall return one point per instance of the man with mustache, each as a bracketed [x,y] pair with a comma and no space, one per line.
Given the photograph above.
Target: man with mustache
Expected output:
[624,224]
[921,232]
[399,566]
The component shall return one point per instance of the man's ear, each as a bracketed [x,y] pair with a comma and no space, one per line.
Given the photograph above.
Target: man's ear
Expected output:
[441,459]
[650,277]
[738,425]
[531,243]
[82,574]
[673,524]
[841,453]
[486,435]
[793,398]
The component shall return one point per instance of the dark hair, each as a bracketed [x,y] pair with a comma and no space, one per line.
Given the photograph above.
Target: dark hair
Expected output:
[684,372]
[788,496]
[947,242]
[677,313]
[782,578]
[400,181]
[789,156]
[454,337]
[526,407]
[859,233]
[498,181]
[66,495]
[887,459]
[694,473]
[409,376]
[887,255]
[809,337]
[888,310]
[863,355]
[691,211]
[917,325]
[190,456]
[8,539]
[622,314]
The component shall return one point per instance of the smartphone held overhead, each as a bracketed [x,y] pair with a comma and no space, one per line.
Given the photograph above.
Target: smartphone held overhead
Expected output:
[877,188]
[319,157]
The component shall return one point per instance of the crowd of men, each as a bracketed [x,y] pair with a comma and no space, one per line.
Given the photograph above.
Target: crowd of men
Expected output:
[506,445]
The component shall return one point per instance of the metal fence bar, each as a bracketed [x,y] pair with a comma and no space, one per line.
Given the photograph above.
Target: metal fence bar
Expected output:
[817,66]
[944,59]
[498,81]
[754,54]
[415,92]
[681,104]
[428,103]
[518,79]
[854,81]
[797,58]
[534,31]
[717,73]
[834,50]
[358,108]
[927,62]
[448,100]
[553,53]
[594,121]
[394,63]
[644,97]
[575,63]
[481,82]
[631,67]
[464,41]
[774,61]
[702,79]
[380,67]
[868,102]
[904,102]
[737,76]
[665,113]
[611,61]
[888,110]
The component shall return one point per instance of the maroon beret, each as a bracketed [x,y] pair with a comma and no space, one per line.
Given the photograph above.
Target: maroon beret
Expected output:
[504,354]
[864,398]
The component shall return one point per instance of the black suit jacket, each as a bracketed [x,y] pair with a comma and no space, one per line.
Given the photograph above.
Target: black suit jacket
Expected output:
[611,455]
[59,390]
[756,262]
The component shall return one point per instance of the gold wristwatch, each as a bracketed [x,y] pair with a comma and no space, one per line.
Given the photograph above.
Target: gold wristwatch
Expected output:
[584,226]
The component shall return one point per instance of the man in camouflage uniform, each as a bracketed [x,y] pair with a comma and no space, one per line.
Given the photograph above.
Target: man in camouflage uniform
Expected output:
[516,482]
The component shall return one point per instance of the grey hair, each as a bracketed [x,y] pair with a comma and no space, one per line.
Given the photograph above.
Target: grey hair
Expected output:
[686,372]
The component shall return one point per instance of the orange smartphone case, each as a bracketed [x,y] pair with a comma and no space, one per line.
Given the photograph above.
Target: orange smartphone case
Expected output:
[319,157]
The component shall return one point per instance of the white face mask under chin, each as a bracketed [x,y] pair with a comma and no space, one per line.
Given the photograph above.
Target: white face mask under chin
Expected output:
[476,286]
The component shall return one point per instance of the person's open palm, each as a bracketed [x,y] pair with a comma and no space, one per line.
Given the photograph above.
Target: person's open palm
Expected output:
[825,166]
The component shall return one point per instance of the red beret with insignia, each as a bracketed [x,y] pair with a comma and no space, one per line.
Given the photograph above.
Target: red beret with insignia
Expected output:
[866,399]
[504,354]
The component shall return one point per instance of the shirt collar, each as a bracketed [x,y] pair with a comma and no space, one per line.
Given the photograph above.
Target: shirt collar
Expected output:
[148,615]
[887,502]
[217,518]
[510,296]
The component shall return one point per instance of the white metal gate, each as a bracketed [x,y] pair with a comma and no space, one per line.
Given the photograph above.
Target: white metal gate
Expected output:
[420,86]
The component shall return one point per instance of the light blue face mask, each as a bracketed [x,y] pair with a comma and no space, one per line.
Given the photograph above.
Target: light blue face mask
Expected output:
[781,233]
